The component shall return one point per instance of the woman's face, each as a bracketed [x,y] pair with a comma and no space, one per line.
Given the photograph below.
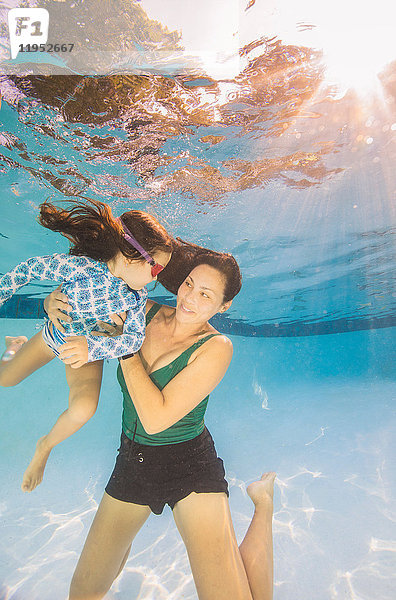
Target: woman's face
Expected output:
[201,295]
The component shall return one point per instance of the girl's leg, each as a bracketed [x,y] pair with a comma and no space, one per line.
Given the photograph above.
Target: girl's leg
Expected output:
[13,344]
[107,547]
[33,355]
[84,384]
[220,569]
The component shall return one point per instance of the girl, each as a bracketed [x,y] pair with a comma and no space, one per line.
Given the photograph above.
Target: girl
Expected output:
[108,266]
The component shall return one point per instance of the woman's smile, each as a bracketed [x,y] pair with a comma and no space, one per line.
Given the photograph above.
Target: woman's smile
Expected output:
[186,310]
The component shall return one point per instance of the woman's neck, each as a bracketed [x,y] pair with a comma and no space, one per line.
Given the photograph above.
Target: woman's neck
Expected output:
[184,330]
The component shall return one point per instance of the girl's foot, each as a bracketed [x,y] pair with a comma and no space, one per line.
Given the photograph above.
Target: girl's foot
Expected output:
[34,473]
[262,491]
[13,345]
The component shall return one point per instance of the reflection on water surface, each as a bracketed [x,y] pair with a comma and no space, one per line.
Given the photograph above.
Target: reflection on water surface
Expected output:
[276,148]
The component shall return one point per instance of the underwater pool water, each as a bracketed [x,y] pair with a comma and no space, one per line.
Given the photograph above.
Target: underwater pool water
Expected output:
[297,180]
[299,406]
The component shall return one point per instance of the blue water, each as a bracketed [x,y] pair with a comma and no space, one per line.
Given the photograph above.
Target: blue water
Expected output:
[296,178]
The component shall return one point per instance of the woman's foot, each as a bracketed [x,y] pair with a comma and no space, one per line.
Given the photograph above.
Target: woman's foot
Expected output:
[262,491]
[13,344]
[33,475]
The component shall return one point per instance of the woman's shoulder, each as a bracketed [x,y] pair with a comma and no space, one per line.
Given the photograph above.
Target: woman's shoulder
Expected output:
[217,335]
[165,308]
[219,339]
[215,342]
[215,352]
[149,305]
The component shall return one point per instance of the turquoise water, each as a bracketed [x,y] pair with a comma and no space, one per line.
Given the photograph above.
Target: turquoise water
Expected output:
[295,177]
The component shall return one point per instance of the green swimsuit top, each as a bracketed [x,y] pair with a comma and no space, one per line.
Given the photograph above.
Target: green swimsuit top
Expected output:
[189,426]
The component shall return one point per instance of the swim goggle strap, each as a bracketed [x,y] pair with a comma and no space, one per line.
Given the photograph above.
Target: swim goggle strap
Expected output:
[155,267]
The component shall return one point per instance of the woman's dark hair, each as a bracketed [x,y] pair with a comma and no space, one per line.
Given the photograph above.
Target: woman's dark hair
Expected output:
[94,232]
[187,256]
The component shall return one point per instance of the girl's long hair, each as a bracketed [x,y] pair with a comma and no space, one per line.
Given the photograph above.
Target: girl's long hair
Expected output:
[93,231]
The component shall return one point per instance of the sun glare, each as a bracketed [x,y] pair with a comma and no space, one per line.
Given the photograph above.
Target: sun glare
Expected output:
[357,44]
[357,37]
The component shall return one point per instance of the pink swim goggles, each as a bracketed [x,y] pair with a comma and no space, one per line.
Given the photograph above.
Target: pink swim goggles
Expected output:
[155,267]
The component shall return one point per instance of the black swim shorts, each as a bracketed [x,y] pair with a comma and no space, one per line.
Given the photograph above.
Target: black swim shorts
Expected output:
[159,475]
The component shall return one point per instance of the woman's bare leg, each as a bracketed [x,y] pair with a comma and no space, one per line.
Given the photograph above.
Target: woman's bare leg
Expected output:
[256,548]
[204,522]
[32,355]
[107,547]
[84,384]
[219,568]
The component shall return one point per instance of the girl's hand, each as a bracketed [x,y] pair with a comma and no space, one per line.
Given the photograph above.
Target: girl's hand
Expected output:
[56,306]
[111,330]
[74,352]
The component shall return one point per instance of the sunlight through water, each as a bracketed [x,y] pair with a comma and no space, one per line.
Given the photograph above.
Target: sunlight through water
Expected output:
[261,128]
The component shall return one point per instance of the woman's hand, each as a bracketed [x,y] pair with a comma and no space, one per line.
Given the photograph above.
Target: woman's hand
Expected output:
[74,352]
[111,330]
[56,306]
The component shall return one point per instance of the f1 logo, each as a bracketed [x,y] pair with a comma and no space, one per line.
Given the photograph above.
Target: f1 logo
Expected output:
[26,26]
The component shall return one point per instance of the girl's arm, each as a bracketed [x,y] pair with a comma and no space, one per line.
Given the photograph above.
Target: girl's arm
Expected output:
[80,349]
[38,267]
[158,409]
[124,338]
[128,342]
[56,306]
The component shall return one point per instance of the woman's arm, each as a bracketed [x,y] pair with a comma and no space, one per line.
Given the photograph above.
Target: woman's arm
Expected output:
[157,409]
[56,306]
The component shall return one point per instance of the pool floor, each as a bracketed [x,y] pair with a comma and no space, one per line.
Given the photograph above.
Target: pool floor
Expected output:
[328,438]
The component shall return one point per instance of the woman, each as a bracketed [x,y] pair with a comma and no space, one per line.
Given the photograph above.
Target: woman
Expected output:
[167,455]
